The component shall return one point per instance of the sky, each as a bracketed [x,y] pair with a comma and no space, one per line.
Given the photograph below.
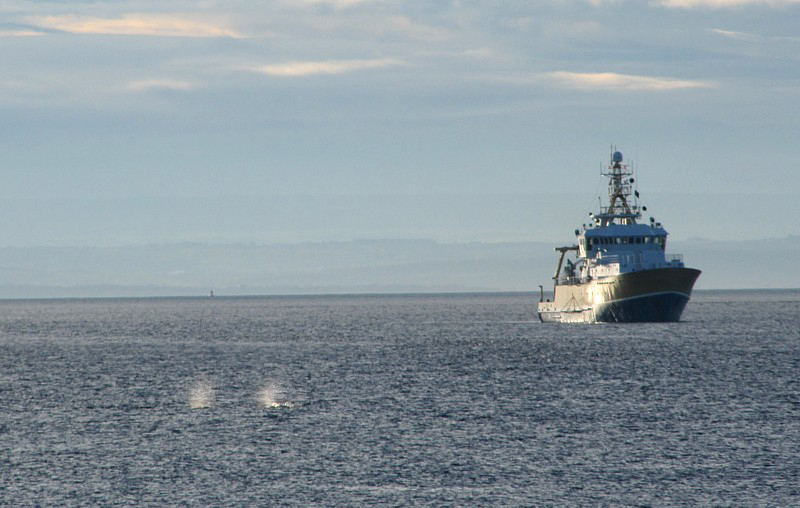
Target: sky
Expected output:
[307,120]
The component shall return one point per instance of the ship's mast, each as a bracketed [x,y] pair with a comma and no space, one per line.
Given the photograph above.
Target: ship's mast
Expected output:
[620,179]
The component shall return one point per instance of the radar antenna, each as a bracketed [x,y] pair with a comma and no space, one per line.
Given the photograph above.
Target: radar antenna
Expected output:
[620,180]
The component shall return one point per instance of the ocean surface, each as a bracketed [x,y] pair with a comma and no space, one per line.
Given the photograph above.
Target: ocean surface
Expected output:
[397,400]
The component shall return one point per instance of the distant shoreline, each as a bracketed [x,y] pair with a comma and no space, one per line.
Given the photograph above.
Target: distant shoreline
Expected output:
[344,294]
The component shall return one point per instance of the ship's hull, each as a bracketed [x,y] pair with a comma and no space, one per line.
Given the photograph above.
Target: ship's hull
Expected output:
[646,296]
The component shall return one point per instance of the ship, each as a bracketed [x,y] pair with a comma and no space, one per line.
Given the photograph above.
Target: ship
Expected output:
[621,273]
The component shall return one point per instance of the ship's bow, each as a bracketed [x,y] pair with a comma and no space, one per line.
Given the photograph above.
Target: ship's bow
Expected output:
[648,296]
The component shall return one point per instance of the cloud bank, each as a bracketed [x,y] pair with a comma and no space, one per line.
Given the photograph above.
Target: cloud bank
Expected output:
[723,4]
[145,85]
[144,24]
[614,81]
[300,69]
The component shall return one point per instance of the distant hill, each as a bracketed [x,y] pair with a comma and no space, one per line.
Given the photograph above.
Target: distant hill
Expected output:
[358,266]
[743,264]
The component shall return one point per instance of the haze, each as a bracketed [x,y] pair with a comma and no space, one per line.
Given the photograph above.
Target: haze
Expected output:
[130,128]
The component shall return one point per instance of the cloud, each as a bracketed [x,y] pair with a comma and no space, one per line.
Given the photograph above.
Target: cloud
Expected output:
[406,26]
[300,69]
[154,25]
[722,4]
[338,4]
[749,37]
[626,82]
[20,33]
[472,54]
[146,85]
[735,35]
[601,3]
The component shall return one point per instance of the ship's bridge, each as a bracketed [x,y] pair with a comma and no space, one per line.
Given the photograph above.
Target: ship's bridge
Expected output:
[618,238]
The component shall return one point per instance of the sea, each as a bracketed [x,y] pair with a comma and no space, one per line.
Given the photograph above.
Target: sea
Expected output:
[397,400]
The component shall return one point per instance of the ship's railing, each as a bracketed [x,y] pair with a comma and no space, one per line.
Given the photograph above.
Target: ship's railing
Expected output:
[638,262]
[675,258]
[569,281]
[625,261]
